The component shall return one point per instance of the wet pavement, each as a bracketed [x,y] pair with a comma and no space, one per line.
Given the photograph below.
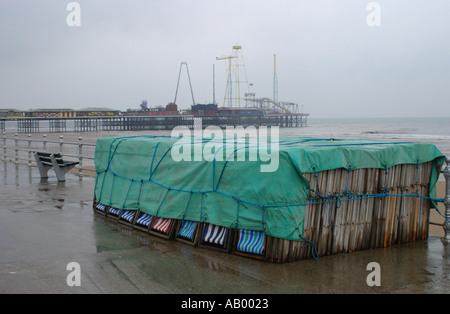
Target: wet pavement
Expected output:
[45,225]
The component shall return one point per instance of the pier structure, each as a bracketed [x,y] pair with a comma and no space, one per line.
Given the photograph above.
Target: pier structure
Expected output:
[141,123]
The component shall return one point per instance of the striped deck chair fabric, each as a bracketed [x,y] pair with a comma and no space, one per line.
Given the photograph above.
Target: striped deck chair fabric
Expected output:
[101,207]
[114,211]
[162,224]
[144,220]
[215,234]
[187,229]
[251,241]
[128,215]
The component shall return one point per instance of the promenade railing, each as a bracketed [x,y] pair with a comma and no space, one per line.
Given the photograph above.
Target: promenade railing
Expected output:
[20,150]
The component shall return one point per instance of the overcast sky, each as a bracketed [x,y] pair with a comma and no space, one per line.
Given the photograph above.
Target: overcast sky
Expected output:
[328,58]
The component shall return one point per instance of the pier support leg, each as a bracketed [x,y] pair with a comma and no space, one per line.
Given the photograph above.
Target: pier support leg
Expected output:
[446,226]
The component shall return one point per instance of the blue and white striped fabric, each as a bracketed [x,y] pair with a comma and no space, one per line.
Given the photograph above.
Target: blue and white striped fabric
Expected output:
[114,211]
[128,215]
[187,229]
[251,241]
[144,219]
[101,207]
[215,234]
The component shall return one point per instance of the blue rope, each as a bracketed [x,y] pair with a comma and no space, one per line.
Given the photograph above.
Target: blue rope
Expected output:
[139,195]
[329,218]
[202,219]
[162,201]
[126,196]
[348,181]
[314,253]
[153,158]
[237,212]
[316,177]
[417,177]
[386,189]
[442,215]
[112,186]
[187,205]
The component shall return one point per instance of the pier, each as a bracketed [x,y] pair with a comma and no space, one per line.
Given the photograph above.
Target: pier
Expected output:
[140,123]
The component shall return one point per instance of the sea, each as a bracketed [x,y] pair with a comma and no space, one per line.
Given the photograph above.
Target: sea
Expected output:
[418,130]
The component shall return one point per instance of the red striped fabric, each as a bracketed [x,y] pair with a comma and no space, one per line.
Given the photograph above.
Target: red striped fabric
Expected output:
[162,224]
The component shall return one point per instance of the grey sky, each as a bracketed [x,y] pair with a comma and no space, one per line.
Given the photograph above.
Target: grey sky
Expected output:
[328,59]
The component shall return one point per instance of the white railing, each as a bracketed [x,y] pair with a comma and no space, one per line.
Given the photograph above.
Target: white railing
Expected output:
[17,149]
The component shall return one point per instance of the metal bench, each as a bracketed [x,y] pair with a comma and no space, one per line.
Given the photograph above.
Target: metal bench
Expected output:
[45,161]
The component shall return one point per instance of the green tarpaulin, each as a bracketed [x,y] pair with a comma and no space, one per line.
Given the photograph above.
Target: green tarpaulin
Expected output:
[145,173]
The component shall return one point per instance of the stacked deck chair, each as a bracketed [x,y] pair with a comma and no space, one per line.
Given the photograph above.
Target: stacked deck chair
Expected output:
[162,227]
[143,221]
[187,232]
[251,243]
[113,213]
[127,217]
[216,238]
[369,195]
[100,209]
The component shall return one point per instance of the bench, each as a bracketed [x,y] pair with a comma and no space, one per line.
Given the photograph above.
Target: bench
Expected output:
[45,161]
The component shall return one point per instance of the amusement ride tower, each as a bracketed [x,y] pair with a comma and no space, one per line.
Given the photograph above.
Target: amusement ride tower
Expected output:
[237,88]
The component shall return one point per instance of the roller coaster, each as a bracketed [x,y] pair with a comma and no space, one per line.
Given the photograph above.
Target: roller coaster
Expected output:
[274,106]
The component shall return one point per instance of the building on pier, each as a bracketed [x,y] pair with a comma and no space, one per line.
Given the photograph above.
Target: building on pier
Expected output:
[50,113]
[11,113]
[97,112]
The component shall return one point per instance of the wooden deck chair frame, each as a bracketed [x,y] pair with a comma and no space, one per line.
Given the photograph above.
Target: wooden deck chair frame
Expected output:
[98,211]
[195,237]
[139,226]
[126,222]
[113,216]
[170,230]
[265,256]
[226,247]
